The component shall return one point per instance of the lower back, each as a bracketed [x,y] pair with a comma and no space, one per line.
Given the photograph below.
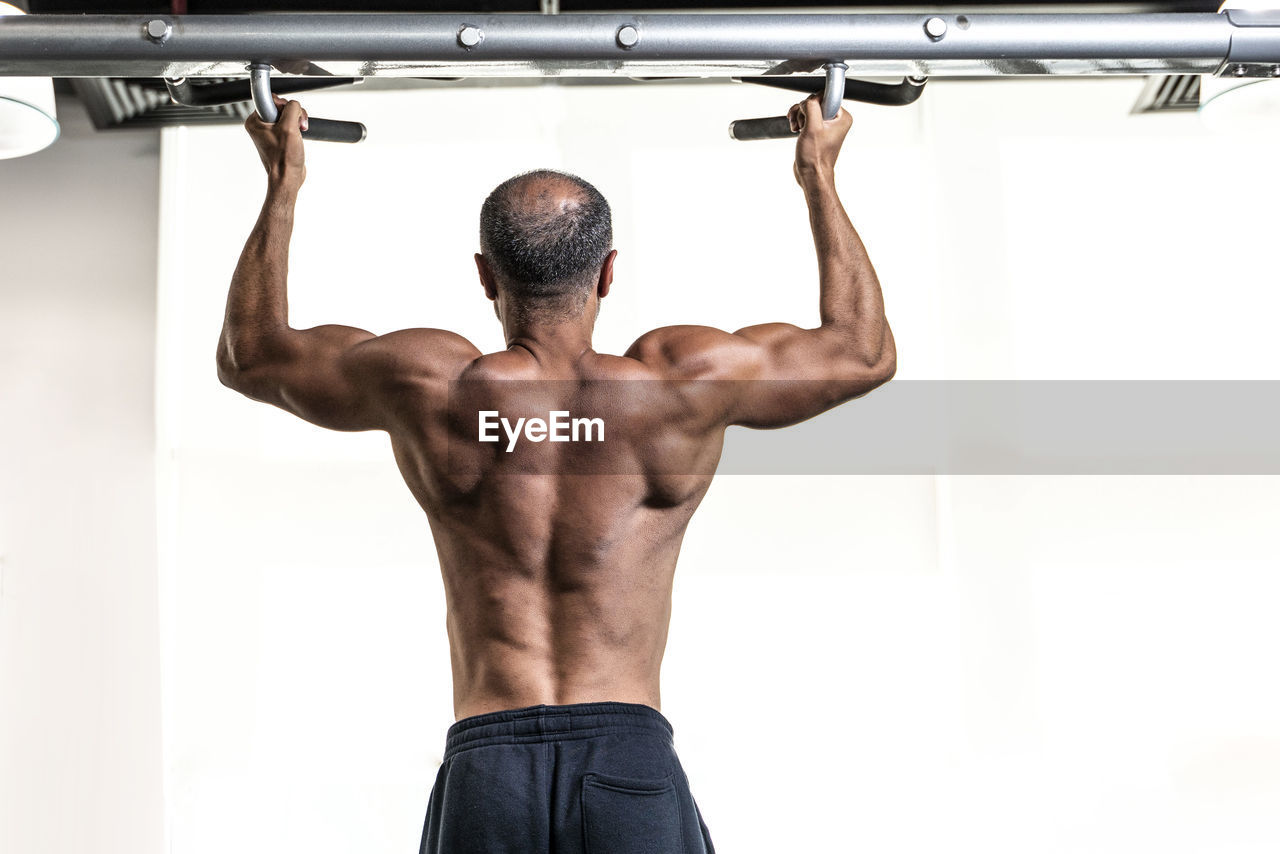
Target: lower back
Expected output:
[570,628]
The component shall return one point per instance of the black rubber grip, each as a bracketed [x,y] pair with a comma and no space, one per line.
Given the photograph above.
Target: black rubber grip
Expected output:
[774,127]
[330,130]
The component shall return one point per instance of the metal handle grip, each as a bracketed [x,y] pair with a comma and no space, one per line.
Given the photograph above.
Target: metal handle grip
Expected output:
[833,90]
[777,127]
[774,127]
[321,130]
[328,130]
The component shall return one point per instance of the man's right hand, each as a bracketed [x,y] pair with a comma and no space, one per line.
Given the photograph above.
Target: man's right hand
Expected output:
[819,142]
[279,144]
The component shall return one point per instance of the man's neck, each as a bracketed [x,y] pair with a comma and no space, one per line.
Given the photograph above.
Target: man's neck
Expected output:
[564,340]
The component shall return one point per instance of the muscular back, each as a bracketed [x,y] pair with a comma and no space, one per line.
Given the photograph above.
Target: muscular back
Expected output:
[557,557]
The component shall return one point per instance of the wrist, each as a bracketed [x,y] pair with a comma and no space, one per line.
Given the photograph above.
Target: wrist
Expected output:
[282,193]
[816,179]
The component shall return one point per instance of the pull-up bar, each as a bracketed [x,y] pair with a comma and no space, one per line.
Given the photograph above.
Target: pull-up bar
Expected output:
[771,49]
[1243,43]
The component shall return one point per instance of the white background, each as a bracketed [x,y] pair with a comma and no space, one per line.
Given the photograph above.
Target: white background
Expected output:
[80,714]
[887,664]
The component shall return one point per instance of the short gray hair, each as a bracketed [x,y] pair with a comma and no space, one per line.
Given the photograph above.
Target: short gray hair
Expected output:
[542,249]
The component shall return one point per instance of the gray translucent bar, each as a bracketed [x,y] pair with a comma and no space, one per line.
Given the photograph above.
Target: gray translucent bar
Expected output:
[531,45]
[905,427]
[1029,427]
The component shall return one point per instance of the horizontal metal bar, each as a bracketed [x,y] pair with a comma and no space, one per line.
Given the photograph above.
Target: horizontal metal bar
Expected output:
[721,45]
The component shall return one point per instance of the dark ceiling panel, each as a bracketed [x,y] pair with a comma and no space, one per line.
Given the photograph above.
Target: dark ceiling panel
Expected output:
[232,7]
[894,5]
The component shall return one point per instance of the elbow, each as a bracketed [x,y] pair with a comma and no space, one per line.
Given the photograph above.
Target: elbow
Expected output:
[241,359]
[226,363]
[232,372]
[854,376]
[239,378]
[869,367]
[228,375]
[872,371]
[885,367]
[883,363]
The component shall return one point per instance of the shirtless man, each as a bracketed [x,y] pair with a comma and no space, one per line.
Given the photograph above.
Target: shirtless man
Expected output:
[557,556]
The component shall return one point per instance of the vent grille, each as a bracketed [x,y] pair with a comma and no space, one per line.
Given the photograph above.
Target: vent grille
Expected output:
[1169,93]
[114,102]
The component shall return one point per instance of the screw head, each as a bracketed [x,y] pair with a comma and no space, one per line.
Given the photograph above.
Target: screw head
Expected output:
[470,36]
[628,36]
[158,30]
[935,28]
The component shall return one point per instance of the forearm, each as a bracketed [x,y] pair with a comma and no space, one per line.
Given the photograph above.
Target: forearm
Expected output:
[850,299]
[257,314]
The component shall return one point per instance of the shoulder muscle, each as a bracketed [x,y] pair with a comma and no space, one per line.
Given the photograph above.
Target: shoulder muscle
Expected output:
[410,353]
[694,352]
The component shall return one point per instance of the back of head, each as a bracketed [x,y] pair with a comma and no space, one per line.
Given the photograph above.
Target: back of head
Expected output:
[546,234]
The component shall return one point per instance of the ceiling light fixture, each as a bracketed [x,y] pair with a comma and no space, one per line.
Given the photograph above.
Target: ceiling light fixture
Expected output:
[28,119]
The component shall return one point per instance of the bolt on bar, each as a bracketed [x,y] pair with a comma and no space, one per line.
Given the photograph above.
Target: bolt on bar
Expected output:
[697,44]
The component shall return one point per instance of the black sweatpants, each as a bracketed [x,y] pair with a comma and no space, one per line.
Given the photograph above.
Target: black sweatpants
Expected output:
[589,778]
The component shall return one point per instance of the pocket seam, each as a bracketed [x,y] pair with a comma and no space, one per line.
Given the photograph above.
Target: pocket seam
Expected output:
[619,784]
[632,786]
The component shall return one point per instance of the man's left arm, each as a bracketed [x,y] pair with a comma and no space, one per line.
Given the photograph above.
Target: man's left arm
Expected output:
[333,376]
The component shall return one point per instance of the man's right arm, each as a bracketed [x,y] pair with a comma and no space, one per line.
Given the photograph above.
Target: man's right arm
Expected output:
[792,373]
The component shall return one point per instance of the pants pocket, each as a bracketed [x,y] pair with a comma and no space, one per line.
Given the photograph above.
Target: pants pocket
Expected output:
[622,815]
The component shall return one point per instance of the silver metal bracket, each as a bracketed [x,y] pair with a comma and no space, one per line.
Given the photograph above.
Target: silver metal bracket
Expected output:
[1249,70]
[833,94]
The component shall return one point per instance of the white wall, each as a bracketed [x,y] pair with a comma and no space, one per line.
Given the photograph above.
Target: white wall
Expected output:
[80,750]
[856,663]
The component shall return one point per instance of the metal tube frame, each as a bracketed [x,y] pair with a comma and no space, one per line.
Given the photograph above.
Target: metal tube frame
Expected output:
[833,94]
[1239,43]
[260,86]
